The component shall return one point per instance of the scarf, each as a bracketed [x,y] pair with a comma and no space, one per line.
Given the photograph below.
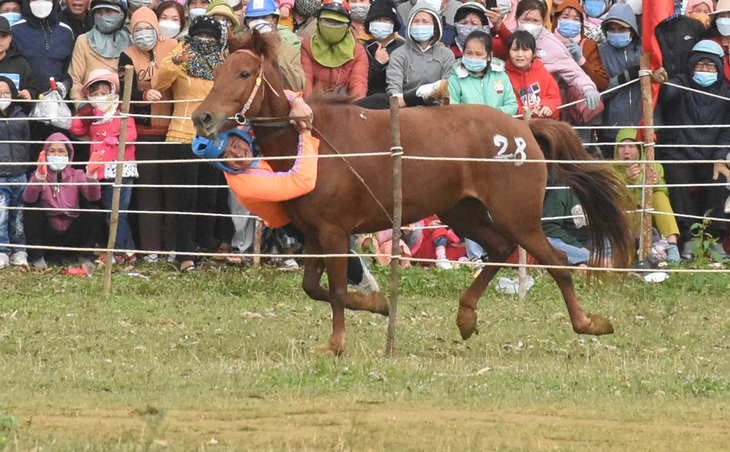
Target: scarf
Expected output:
[333,55]
[109,45]
[207,57]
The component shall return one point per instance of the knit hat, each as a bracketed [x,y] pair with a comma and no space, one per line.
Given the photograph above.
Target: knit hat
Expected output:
[205,24]
[206,148]
[382,8]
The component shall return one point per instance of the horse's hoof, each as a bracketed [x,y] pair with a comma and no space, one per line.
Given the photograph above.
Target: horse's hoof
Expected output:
[380,303]
[466,320]
[331,348]
[597,326]
[374,302]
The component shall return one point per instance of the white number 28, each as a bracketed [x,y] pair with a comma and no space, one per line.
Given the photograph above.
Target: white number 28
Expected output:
[519,155]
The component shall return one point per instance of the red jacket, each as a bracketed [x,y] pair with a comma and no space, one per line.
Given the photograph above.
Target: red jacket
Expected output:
[535,83]
[352,76]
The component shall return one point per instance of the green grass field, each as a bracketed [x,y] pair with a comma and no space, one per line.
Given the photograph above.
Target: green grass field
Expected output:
[224,360]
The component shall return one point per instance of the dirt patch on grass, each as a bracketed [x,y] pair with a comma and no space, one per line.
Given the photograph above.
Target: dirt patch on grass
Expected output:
[304,425]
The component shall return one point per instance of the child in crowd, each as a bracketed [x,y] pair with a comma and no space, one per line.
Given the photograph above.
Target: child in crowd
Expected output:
[12,177]
[627,148]
[62,190]
[103,130]
[535,88]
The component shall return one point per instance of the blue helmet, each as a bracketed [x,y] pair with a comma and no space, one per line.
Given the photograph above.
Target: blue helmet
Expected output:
[260,8]
[212,149]
[708,46]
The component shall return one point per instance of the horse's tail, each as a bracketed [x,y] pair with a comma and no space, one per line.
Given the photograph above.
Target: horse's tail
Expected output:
[604,197]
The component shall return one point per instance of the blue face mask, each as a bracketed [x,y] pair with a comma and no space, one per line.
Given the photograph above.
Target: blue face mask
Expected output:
[422,33]
[381,30]
[619,40]
[593,8]
[705,79]
[569,28]
[57,162]
[12,17]
[474,64]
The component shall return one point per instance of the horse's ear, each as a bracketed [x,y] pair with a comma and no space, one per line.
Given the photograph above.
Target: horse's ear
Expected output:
[237,42]
[263,44]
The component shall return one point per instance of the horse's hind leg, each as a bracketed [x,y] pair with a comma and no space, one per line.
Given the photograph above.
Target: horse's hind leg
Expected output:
[470,218]
[356,301]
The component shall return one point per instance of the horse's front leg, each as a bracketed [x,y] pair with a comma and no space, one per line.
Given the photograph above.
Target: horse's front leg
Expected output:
[335,242]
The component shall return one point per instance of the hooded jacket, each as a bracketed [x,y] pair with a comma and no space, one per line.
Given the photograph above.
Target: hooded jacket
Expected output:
[563,202]
[13,130]
[622,107]
[493,89]
[145,65]
[55,196]
[47,45]
[631,134]
[690,109]
[410,66]
[535,86]
[559,63]
[16,67]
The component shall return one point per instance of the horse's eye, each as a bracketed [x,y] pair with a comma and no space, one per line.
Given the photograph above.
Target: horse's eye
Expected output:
[244,75]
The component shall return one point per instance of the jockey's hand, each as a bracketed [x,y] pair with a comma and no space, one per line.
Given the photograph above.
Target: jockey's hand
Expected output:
[721,168]
[301,114]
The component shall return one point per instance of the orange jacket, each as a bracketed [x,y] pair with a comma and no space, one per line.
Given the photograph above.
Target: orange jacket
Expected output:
[261,190]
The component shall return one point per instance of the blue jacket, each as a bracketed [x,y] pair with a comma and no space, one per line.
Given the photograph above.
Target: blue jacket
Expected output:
[47,44]
[14,131]
[689,109]
[622,107]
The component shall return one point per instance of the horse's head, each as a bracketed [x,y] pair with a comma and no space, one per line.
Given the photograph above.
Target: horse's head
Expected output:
[239,85]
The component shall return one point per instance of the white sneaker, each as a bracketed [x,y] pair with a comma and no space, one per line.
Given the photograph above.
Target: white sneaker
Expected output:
[171,258]
[151,258]
[19,258]
[289,265]
[4,260]
[40,263]
[443,264]
[368,284]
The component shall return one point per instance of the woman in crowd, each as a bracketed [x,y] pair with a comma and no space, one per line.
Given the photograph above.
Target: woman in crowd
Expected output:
[171,19]
[382,24]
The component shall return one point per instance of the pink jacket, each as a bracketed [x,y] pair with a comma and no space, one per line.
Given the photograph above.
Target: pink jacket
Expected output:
[62,196]
[560,64]
[99,132]
[353,75]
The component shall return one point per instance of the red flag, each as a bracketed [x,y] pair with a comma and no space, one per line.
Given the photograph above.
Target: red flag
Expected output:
[654,12]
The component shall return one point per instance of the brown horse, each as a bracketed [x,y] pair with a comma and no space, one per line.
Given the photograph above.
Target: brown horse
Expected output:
[497,204]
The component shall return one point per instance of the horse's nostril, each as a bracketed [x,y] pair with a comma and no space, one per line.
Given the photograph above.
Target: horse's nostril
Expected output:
[205,118]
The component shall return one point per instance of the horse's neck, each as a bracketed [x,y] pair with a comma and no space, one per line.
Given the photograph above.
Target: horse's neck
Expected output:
[272,142]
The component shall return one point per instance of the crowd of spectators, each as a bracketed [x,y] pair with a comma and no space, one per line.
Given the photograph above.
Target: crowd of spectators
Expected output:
[525,58]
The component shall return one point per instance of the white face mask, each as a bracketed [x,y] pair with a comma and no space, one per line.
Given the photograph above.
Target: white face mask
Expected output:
[533,29]
[723,25]
[41,8]
[104,103]
[4,103]
[169,28]
[261,25]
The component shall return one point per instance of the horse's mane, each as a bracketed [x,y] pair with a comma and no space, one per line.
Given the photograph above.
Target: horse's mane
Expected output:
[330,98]
[263,44]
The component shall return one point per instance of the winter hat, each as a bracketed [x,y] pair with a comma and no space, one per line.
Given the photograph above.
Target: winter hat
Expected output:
[382,8]
[307,8]
[707,49]
[212,149]
[205,24]
[98,75]
[11,84]
[575,4]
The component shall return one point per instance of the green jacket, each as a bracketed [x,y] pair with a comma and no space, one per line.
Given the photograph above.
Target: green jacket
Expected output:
[631,134]
[562,202]
[494,89]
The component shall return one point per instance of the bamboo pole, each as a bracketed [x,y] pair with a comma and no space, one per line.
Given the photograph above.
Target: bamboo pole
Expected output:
[257,242]
[522,254]
[396,152]
[646,198]
[114,223]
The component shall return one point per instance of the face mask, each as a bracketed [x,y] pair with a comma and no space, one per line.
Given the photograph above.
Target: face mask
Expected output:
[705,79]
[169,29]
[619,40]
[137,4]
[533,29]
[569,28]
[108,23]
[474,64]
[41,8]
[104,103]
[145,39]
[593,8]
[57,162]
[422,33]
[360,11]
[381,30]
[462,31]
[11,17]
[723,25]
[637,6]
[333,35]
[505,7]
[4,103]
[195,12]
[261,25]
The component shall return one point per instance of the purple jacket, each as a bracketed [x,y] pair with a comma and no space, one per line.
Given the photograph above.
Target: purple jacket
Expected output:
[62,196]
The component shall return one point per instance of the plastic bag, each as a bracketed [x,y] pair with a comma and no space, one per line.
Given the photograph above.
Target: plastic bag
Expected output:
[51,109]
